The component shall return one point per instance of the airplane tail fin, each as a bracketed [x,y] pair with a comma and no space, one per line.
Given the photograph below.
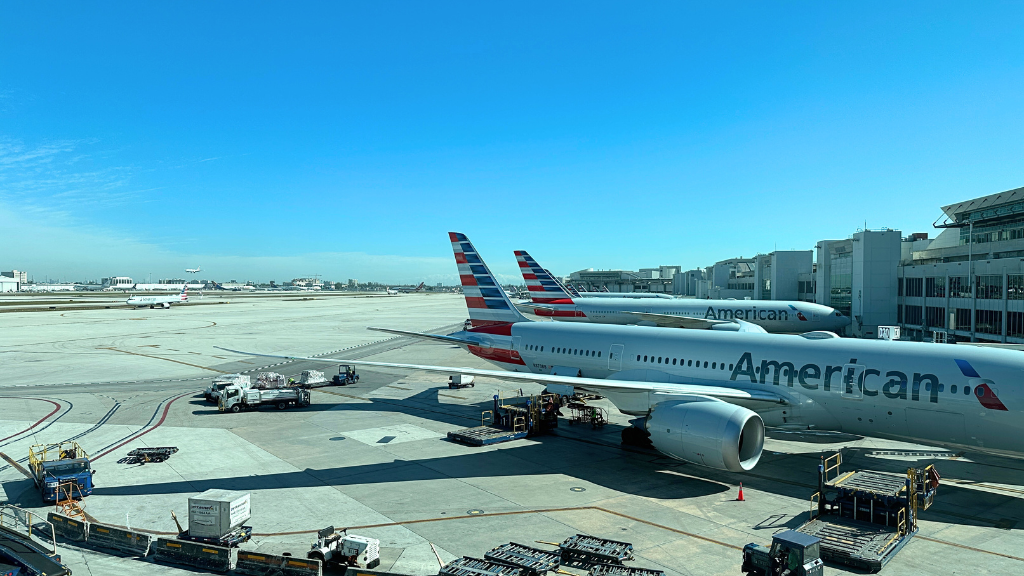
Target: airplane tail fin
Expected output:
[543,287]
[485,298]
[420,287]
[184,293]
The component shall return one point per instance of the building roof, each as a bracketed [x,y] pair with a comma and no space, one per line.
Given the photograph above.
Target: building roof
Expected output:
[984,202]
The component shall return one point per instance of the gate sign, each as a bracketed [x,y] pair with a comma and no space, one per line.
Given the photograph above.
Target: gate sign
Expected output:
[888,332]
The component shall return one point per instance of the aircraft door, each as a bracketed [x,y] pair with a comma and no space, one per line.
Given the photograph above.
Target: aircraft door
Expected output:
[517,343]
[852,387]
[615,357]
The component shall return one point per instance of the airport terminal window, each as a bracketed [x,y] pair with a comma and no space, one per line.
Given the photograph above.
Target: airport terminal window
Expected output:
[914,287]
[935,317]
[899,314]
[959,287]
[963,319]
[1015,287]
[989,322]
[912,315]
[990,287]
[1015,324]
[899,286]
[935,287]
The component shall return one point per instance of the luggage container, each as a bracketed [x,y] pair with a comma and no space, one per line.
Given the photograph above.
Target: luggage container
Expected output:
[216,513]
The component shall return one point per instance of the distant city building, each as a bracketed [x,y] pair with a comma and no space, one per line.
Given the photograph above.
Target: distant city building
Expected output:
[118,283]
[9,284]
[19,276]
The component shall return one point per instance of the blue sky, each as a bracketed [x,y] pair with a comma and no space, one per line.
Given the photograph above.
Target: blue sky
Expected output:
[275,140]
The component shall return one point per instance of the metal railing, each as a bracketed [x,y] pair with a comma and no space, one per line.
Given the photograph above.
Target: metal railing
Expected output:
[25,522]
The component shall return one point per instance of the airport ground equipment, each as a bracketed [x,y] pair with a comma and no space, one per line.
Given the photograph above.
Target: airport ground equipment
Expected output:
[467,566]
[461,381]
[216,517]
[145,455]
[792,554]
[584,549]
[512,417]
[23,550]
[65,463]
[581,413]
[200,555]
[311,377]
[212,392]
[619,570]
[863,518]
[346,375]
[533,561]
[235,399]
[339,549]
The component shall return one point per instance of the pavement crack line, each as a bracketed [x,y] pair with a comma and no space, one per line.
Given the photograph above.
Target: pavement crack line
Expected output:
[165,359]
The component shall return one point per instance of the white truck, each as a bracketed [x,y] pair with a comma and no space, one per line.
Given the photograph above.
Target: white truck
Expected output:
[219,383]
[235,398]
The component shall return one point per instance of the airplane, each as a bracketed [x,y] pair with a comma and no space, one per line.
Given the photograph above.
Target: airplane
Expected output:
[193,270]
[402,290]
[551,299]
[705,396]
[162,301]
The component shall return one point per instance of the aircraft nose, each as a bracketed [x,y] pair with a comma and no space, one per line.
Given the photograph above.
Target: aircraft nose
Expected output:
[842,321]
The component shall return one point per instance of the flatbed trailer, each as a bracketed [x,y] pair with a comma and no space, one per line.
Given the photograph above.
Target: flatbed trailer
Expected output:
[584,549]
[512,417]
[467,566]
[864,517]
[534,561]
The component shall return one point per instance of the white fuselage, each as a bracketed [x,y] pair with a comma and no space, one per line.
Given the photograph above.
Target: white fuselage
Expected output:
[164,301]
[773,316]
[901,390]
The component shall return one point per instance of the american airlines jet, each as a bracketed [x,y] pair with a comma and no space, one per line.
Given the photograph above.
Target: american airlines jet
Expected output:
[705,396]
[194,270]
[550,299]
[162,301]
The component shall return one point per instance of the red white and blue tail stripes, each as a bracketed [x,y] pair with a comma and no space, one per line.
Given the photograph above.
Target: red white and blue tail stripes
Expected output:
[184,293]
[485,298]
[543,287]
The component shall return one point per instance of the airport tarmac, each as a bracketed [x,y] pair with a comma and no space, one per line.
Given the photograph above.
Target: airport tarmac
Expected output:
[373,456]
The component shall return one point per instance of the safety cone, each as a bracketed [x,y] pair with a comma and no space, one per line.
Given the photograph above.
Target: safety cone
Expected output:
[740,497]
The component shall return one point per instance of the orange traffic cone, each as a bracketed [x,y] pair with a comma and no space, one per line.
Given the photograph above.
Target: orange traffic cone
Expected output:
[740,497]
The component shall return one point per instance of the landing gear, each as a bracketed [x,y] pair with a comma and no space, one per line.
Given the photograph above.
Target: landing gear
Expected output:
[636,437]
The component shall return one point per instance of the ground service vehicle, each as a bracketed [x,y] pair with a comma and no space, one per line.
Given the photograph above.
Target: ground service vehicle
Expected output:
[346,375]
[60,470]
[461,381]
[213,391]
[792,554]
[235,399]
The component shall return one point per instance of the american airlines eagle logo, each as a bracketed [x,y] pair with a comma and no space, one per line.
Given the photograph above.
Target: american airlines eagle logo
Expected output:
[980,387]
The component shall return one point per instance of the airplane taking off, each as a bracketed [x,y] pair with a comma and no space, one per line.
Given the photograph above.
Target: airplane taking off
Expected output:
[550,299]
[193,270]
[705,396]
[162,301]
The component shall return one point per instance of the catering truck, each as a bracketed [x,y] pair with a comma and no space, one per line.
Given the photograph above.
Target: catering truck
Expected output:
[60,470]
[235,398]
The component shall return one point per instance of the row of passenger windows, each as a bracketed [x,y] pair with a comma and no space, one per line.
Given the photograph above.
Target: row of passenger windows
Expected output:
[566,351]
[682,362]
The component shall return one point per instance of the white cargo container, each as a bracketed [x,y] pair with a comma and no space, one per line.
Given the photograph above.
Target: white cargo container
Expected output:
[215,513]
[311,377]
[365,551]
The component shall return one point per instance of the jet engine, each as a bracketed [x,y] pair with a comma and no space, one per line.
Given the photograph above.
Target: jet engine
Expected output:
[710,433]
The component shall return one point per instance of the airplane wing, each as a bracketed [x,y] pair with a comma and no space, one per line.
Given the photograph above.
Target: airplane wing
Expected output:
[529,307]
[697,391]
[671,321]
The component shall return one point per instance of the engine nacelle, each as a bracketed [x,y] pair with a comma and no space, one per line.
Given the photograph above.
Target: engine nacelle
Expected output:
[714,434]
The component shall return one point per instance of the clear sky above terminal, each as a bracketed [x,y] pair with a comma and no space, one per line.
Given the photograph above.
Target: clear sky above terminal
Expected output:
[275,140]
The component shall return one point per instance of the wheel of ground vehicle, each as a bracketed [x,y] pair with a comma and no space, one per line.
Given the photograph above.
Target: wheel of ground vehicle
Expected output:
[236,409]
[282,405]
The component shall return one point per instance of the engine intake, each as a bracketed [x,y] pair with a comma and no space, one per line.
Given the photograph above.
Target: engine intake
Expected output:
[714,434]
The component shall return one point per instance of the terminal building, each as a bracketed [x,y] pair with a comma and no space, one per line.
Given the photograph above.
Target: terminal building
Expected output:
[968,282]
